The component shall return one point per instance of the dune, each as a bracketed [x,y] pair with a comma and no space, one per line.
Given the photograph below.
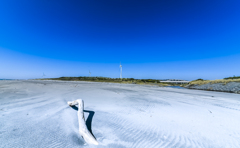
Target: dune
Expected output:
[35,113]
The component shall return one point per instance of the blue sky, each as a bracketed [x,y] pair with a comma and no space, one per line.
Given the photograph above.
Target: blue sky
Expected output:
[158,39]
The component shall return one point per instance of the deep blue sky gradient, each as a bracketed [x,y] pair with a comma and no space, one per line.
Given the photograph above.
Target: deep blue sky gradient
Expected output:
[159,39]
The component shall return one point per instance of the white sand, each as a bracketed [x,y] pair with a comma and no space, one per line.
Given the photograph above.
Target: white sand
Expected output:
[36,114]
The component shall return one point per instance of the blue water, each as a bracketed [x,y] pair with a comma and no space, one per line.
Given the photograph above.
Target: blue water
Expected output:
[179,87]
[6,79]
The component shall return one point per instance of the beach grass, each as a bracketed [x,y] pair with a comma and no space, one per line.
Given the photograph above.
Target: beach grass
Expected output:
[202,82]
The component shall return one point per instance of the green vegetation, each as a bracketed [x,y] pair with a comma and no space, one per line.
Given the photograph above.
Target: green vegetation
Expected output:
[224,81]
[234,77]
[113,80]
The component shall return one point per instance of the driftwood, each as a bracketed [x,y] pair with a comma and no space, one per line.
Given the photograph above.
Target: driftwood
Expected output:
[84,132]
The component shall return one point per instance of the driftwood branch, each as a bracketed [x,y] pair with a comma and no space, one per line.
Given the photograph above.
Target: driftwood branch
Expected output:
[84,132]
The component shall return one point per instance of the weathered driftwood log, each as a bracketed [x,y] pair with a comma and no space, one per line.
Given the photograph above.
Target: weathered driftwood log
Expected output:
[84,132]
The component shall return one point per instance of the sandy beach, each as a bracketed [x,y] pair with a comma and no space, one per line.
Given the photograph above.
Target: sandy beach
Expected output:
[35,113]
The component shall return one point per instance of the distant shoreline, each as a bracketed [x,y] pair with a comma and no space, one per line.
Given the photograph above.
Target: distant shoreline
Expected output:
[117,80]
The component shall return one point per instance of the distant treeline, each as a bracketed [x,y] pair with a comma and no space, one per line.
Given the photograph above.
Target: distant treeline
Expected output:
[234,77]
[228,78]
[222,81]
[106,79]
[115,80]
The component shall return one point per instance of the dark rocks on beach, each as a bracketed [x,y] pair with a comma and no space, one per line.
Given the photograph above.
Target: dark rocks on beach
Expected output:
[233,87]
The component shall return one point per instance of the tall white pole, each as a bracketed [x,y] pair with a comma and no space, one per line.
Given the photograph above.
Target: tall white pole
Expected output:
[120,71]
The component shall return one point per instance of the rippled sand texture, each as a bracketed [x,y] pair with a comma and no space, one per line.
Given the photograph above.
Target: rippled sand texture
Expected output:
[36,114]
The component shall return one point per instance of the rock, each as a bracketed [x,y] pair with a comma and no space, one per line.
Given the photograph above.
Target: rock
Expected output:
[233,87]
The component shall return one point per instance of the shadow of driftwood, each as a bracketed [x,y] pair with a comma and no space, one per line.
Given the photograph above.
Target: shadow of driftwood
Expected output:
[89,119]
